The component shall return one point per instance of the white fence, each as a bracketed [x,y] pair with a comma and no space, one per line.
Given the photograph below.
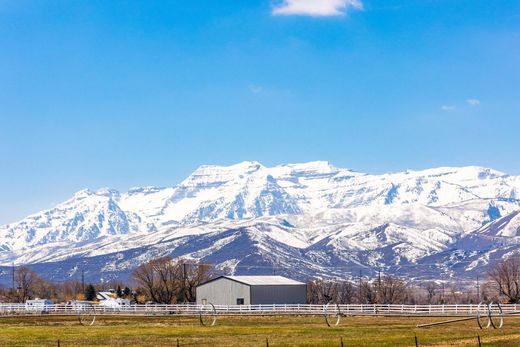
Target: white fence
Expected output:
[256,310]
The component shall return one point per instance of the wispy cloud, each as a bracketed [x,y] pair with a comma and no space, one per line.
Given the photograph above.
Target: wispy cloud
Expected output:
[255,89]
[448,108]
[473,102]
[317,8]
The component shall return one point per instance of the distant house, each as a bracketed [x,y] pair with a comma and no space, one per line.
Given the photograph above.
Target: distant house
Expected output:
[251,290]
[109,299]
[106,295]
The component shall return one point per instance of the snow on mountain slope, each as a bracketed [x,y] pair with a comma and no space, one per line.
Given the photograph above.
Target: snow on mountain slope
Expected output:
[473,252]
[311,215]
[86,216]
[507,226]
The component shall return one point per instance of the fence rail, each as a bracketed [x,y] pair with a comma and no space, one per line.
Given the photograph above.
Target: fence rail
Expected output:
[7,309]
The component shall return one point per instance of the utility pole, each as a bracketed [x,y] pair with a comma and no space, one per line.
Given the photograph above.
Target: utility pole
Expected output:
[478,290]
[379,285]
[83,281]
[13,277]
[359,287]
[185,276]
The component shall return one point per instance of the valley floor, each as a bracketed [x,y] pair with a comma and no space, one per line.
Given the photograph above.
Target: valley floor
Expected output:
[249,331]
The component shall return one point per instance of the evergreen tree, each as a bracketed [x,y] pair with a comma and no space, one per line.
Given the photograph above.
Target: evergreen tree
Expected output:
[126,292]
[90,293]
[119,292]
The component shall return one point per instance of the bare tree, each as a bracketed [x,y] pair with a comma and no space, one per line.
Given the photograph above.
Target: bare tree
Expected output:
[45,289]
[391,290]
[456,295]
[26,281]
[368,293]
[313,296]
[321,291]
[345,292]
[165,280]
[194,275]
[328,291]
[506,276]
[431,288]
[68,290]
[159,279]
[488,291]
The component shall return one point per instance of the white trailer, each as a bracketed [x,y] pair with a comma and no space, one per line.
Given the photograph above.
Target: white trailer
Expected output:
[39,305]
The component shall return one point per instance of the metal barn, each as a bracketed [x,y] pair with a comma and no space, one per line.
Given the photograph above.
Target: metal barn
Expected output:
[251,290]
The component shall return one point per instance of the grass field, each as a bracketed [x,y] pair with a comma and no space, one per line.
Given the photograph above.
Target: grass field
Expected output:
[249,331]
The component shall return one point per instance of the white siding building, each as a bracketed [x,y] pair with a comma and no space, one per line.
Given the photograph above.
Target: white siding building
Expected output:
[251,290]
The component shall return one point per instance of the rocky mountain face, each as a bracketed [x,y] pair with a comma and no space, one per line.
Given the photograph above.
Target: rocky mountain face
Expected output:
[302,220]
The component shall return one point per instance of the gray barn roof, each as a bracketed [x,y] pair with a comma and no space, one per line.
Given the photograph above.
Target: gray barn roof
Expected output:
[260,280]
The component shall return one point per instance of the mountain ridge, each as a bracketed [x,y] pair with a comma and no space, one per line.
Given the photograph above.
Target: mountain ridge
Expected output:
[324,217]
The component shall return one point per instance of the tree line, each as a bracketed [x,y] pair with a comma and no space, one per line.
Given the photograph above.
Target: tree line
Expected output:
[163,280]
[501,283]
[166,280]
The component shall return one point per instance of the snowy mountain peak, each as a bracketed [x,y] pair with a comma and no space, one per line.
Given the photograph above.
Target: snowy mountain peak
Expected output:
[316,166]
[243,167]
[83,193]
[108,192]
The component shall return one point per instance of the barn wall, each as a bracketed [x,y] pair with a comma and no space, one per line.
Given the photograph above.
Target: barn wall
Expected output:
[223,291]
[279,294]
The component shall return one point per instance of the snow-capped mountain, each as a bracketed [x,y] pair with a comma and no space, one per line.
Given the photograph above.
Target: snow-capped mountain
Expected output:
[305,220]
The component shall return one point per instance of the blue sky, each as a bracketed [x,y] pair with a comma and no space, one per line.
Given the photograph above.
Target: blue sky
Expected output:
[131,93]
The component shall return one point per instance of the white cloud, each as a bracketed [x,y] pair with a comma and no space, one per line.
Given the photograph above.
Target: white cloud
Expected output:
[448,108]
[473,102]
[318,8]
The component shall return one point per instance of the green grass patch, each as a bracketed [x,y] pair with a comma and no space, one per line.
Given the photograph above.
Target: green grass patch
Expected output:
[249,331]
